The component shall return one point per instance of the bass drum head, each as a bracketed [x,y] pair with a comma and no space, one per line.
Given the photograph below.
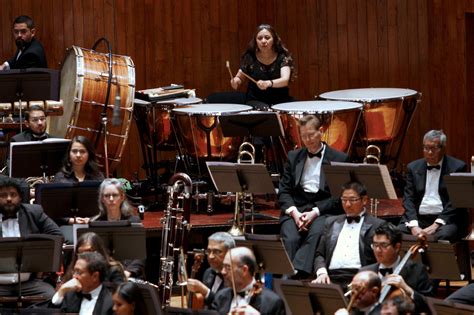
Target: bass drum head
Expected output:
[71,89]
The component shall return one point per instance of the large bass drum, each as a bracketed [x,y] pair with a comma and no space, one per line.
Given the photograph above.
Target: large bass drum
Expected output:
[84,77]
[387,115]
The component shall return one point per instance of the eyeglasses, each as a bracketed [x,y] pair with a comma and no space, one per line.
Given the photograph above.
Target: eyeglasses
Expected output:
[382,245]
[350,200]
[37,119]
[429,148]
[215,252]
[113,196]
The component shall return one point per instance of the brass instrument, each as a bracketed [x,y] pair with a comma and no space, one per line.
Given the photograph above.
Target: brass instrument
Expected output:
[175,224]
[373,156]
[243,200]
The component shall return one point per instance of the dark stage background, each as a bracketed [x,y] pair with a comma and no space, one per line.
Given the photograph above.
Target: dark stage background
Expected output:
[426,45]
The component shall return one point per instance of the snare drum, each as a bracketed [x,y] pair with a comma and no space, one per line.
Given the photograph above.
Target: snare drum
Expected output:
[387,115]
[154,121]
[201,133]
[339,121]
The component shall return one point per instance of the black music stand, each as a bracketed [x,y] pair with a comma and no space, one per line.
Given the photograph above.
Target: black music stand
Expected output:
[122,242]
[33,253]
[150,297]
[33,84]
[312,298]
[460,189]
[61,200]
[446,307]
[37,158]
[270,253]
[242,178]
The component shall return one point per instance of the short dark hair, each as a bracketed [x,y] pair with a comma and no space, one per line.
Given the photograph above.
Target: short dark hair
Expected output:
[6,181]
[358,187]
[390,231]
[33,108]
[25,19]
[95,262]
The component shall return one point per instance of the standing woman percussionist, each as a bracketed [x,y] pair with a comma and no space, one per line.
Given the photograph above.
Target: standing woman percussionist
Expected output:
[268,62]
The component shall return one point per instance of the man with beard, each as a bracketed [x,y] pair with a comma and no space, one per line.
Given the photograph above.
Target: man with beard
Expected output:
[35,121]
[18,220]
[30,52]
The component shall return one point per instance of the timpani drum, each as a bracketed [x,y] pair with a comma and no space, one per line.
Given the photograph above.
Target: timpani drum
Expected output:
[339,121]
[84,79]
[201,133]
[387,115]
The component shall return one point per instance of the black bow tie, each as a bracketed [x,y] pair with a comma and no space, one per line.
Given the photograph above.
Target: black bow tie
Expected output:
[9,216]
[317,154]
[353,219]
[385,271]
[242,293]
[430,167]
[217,274]
[82,295]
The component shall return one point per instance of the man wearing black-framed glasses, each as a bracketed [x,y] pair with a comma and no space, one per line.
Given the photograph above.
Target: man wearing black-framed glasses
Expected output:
[428,208]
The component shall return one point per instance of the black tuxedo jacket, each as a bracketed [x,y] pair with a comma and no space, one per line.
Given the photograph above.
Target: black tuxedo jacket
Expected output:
[415,190]
[267,302]
[208,279]
[291,193]
[26,136]
[33,56]
[333,228]
[103,306]
[416,276]
[33,220]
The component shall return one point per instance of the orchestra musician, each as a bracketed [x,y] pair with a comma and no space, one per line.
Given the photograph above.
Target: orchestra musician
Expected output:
[269,63]
[19,219]
[35,121]
[413,278]
[86,293]
[345,244]
[212,281]
[128,300]
[30,52]
[426,201]
[239,270]
[304,196]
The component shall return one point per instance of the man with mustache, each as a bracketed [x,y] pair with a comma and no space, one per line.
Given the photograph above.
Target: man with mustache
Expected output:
[30,52]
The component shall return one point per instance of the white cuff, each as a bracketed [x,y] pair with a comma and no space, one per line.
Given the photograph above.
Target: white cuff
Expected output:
[412,223]
[321,271]
[440,221]
[57,300]
[290,210]
[6,65]
[316,209]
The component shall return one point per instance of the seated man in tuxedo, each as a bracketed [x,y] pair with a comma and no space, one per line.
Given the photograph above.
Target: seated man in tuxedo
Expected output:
[85,293]
[345,244]
[426,200]
[304,196]
[30,52]
[20,219]
[35,121]
[239,271]
[212,282]
[413,279]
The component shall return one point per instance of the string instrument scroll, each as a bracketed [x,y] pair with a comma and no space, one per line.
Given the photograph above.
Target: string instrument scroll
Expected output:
[419,247]
[195,299]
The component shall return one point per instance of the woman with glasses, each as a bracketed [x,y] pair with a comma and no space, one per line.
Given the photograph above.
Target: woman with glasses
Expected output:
[113,203]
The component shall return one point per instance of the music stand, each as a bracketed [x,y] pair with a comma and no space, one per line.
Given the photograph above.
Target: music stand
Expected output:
[374,176]
[33,253]
[122,242]
[270,253]
[447,307]
[461,192]
[150,297]
[33,84]
[61,200]
[312,298]
[37,158]
[241,178]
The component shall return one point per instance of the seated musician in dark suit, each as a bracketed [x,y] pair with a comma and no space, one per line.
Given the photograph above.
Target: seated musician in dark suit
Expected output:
[345,244]
[30,52]
[250,295]
[304,196]
[35,121]
[465,295]
[85,293]
[20,219]
[212,282]
[426,200]
[413,279]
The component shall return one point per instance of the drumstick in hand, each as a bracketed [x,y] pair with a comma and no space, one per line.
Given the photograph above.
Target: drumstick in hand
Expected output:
[249,77]
[227,64]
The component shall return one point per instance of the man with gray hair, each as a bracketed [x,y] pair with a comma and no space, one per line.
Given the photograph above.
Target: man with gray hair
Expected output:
[428,209]
[243,295]
[218,245]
